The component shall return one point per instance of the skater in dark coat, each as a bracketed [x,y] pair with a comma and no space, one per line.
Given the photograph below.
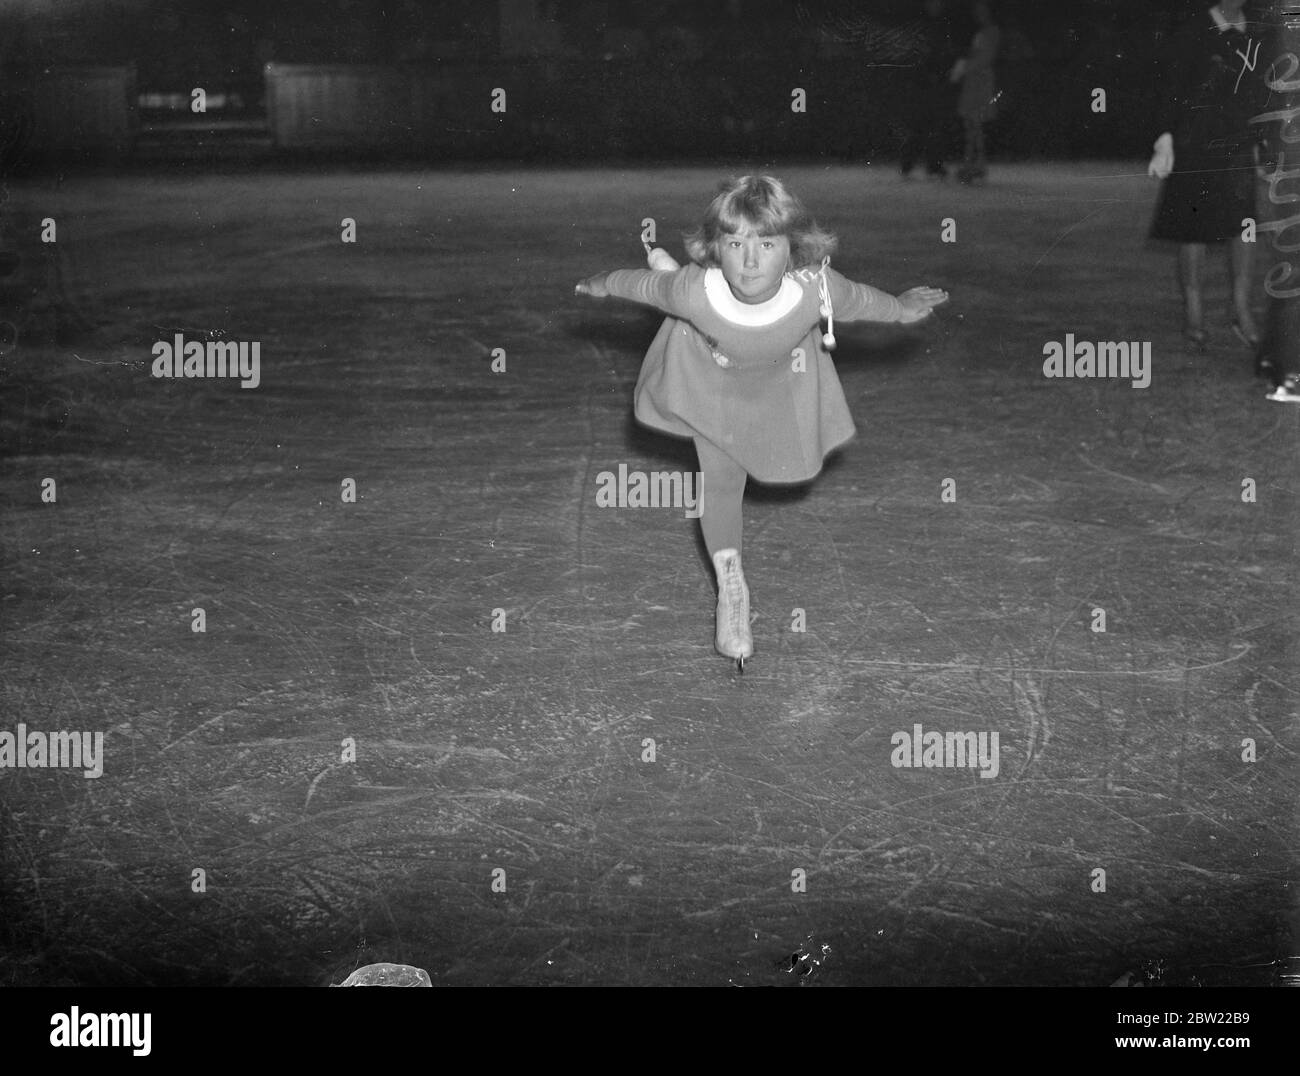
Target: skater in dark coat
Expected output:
[741,366]
[1206,156]
[977,104]
[928,104]
[1278,358]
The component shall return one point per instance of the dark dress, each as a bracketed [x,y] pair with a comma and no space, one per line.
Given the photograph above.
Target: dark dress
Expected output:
[1208,111]
[927,106]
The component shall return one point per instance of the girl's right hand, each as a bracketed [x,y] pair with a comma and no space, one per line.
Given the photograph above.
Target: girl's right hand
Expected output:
[593,286]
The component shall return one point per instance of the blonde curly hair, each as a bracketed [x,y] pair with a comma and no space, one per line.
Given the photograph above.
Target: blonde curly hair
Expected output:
[760,204]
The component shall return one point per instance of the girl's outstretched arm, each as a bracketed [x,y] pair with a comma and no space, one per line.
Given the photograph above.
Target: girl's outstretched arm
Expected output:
[852,301]
[665,290]
[657,257]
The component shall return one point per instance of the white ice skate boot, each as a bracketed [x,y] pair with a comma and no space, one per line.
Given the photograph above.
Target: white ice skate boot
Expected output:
[733,637]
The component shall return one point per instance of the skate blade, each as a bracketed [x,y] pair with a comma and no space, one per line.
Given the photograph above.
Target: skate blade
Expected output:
[738,660]
[1280,395]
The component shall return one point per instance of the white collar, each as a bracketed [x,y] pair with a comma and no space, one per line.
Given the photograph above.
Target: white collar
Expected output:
[1224,24]
[724,303]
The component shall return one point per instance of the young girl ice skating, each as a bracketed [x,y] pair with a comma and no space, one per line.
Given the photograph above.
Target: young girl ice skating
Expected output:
[740,366]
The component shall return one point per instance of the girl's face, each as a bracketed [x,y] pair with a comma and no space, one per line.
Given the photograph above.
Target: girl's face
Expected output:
[753,265]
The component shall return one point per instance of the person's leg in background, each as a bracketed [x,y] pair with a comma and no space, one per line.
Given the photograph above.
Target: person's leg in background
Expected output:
[1191,263]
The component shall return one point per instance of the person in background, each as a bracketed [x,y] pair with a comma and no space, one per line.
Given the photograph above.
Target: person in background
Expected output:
[1206,157]
[928,101]
[977,101]
[1278,357]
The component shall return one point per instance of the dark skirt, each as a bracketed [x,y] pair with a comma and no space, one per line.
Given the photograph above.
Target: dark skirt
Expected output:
[1211,189]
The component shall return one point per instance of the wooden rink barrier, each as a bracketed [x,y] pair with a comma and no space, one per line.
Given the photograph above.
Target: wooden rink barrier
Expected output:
[81,113]
[370,107]
[340,106]
[558,106]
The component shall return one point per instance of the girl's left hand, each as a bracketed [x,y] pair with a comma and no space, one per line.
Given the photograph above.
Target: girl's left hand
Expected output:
[918,302]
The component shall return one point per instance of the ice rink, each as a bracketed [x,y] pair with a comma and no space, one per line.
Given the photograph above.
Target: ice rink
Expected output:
[360,768]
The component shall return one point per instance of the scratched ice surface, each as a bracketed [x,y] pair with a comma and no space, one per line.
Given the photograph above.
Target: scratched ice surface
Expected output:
[525,747]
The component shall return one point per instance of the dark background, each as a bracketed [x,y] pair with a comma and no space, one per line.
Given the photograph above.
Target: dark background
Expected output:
[661,80]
